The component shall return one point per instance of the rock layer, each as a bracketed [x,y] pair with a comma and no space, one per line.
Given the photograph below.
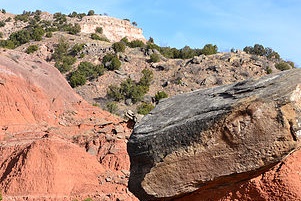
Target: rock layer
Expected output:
[53,144]
[212,137]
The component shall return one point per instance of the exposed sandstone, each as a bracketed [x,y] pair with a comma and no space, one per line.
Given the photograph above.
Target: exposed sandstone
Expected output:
[114,29]
[212,137]
[53,144]
[281,183]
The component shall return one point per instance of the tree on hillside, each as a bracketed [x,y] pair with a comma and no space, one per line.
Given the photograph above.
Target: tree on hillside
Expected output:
[209,49]
[91,12]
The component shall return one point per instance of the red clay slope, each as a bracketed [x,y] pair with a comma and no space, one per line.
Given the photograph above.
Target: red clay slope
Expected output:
[54,145]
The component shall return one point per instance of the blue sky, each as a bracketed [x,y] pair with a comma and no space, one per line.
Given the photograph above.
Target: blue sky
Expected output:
[176,23]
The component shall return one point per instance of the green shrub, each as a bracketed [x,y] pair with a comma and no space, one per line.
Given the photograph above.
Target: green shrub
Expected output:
[111,62]
[209,49]
[65,63]
[114,92]
[88,199]
[20,37]
[31,49]
[283,66]
[136,43]
[1,195]
[90,70]
[145,108]
[37,33]
[72,29]
[268,70]
[60,50]
[131,90]
[8,19]
[23,17]
[186,52]
[125,40]
[171,53]
[2,23]
[154,58]
[95,36]
[118,47]
[260,50]
[99,30]
[60,18]
[147,77]
[48,34]
[91,12]
[1,34]
[73,14]
[76,49]
[7,44]
[112,107]
[77,79]
[292,64]
[160,95]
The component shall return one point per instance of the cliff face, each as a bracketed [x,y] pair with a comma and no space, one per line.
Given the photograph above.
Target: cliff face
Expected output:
[114,29]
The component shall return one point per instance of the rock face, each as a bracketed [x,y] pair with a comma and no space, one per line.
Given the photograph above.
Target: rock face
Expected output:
[213,137]
[53,144]
[281,183]
[114,29]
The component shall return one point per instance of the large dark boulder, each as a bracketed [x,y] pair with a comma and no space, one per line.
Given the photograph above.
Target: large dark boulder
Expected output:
[210,138]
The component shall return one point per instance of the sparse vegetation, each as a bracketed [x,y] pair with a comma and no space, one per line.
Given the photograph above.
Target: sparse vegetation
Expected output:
[48,34]
[62,57]
[85,71]
[129,89]
[23,17]
[160,95]
[95,36]
[260,50]
[209,49]
[72,29]
[118,47]
[2,23]
[99,30]
[78,15]
[136,43]
[91,12]
[145,108]
[77,49]
[154,58]
[111,62]
[8,19]
[283,66]
[268,70]
[77,79]
[88,199]
[31,49]
[112,107]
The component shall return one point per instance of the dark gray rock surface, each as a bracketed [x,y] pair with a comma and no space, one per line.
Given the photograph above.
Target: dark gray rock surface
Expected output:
[207,138]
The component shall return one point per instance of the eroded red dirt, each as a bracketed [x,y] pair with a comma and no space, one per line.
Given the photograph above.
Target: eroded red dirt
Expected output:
[53,144]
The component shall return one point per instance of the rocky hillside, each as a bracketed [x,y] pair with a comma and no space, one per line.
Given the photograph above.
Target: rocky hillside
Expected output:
[91,38]
[79,149]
